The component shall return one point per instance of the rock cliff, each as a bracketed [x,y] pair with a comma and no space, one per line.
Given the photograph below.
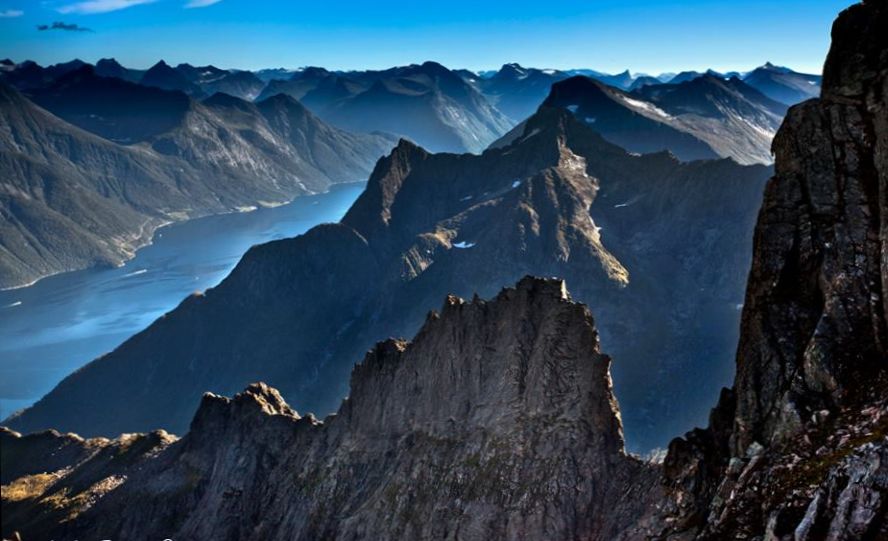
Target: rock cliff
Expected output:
[497,420]
[799,448]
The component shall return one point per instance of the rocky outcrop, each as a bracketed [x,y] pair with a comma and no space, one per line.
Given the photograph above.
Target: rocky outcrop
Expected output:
[800,451]
[659,248]
[497,420]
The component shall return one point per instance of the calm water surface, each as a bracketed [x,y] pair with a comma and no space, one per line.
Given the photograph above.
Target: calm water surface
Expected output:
[62,322]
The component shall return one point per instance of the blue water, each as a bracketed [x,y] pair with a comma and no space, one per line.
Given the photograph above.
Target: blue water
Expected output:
[62,322]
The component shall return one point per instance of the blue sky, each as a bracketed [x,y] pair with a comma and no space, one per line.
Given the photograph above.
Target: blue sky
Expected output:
[642,35]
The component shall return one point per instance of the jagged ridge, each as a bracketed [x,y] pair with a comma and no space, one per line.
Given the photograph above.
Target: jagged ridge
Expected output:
[497,419]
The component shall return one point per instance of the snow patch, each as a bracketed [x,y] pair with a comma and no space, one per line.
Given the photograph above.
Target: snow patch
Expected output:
[644,106]
[529,135]
[463,244]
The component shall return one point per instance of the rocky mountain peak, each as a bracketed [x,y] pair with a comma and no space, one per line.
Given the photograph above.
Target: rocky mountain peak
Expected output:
[498,417]
[529,357]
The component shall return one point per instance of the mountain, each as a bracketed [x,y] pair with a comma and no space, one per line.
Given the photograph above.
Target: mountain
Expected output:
[703,118]
[507,403]
[799,444]
[162,75]
[518,91]
[111,107]
[432,224]
[109,67]
[620,80]
[300,83]
[29,75]
[427,103]
[242,84]
[75,199]
[644,80]
[733,118]
[498,420]
[684,77]
[783,84]
[201,74]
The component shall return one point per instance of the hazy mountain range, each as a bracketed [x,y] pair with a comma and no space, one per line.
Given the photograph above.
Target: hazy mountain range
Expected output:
[166,113]
[702,118]
[499,419]
[90,175]
[432,224]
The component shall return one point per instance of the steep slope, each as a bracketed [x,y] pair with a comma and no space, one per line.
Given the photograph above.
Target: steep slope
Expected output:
[798,449]
[783,84]
[733,118]
[72,199]
[59,214]
[560,201]
[498,420]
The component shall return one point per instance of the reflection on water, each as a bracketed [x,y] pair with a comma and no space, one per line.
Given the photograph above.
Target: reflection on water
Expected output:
[60,323]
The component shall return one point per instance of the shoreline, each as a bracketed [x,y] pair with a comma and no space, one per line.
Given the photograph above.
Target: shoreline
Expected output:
[257,206]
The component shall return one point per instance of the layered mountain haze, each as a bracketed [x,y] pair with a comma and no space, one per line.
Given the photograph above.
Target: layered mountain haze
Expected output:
[518,91]
[428,104]
[702,118]
[431,224]
[74,199]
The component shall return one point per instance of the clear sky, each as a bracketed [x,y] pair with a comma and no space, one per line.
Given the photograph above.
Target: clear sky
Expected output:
[650,36]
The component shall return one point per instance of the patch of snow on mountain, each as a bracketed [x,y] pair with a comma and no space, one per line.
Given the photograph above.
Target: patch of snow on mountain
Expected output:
[529,135]
[645,106]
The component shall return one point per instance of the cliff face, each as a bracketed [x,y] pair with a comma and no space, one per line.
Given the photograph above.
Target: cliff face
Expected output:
[799,447]
[498,420]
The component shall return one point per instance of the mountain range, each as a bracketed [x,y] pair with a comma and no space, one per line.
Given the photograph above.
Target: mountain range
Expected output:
[431,224]
[75,195]
[702,118]
[444,110]
[499,419]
